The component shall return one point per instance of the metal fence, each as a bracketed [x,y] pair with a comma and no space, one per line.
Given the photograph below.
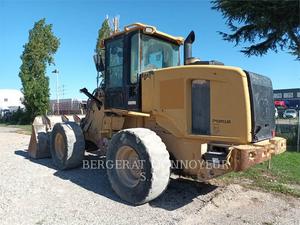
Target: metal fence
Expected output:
[67,106]
[289,129]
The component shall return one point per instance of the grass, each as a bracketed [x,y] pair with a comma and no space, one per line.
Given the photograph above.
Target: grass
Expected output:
[283,176]
[24,129]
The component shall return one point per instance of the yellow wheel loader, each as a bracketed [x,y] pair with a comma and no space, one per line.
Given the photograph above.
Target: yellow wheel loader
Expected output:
[153,116]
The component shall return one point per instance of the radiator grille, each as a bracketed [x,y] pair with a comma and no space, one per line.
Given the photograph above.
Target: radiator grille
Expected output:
[201,107]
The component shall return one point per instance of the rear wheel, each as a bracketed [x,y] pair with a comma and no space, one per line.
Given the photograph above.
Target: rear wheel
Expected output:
[67,145]
[138,165]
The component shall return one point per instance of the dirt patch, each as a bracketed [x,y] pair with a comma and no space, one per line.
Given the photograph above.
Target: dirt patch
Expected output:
[294,186]
[237,205]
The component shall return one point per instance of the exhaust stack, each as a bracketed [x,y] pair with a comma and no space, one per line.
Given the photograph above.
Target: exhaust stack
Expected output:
[188,46]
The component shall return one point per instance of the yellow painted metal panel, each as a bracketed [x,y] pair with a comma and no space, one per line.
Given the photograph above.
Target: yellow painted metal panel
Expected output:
[166,93]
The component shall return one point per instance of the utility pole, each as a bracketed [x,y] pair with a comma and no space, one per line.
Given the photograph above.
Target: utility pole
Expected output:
[57,94]
[298,139]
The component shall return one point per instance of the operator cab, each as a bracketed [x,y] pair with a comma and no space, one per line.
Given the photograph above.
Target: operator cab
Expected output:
[129,53]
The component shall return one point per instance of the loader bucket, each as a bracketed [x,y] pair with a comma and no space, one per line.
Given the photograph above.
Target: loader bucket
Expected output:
[39,140]
[39,145]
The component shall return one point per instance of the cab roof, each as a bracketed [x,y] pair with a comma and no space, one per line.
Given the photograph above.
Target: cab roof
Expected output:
[147,29]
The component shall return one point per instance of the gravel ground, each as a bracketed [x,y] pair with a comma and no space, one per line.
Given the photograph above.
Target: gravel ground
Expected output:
[33,192]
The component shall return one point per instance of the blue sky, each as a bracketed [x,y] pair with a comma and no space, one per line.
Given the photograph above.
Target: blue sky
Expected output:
[76,23]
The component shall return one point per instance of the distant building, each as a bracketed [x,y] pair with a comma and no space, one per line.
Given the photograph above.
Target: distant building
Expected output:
[68,106]
[11,99]
[291,97]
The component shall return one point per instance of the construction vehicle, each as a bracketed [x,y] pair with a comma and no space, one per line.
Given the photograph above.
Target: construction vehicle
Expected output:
[211,118]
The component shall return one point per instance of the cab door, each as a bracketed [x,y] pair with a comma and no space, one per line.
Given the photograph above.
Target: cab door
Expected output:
[133,88]
[114,74]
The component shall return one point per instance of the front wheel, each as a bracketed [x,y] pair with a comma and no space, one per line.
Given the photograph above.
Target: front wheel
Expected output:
[67,145]
[138,165]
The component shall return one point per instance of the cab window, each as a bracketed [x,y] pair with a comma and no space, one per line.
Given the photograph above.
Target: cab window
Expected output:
[158,53]
[114,68]
[148,52]
[134,57]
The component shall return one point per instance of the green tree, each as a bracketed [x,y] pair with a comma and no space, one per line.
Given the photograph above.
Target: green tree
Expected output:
[38,53]
[104,32]
[266,25]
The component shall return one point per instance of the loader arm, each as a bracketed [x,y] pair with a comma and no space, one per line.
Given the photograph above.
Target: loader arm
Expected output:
[88,94]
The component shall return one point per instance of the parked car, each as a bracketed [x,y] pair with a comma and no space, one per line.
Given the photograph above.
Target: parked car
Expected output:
[290,113]
[280,104]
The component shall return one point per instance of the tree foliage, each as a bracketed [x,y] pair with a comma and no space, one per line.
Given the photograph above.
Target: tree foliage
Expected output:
[104,32]
[266,25]
[38,53]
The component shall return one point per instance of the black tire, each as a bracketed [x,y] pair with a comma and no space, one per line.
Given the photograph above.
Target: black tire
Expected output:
[67,145]
[43,145]
[155,170]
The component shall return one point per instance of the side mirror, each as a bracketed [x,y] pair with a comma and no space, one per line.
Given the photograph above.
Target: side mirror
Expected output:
[98,62]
